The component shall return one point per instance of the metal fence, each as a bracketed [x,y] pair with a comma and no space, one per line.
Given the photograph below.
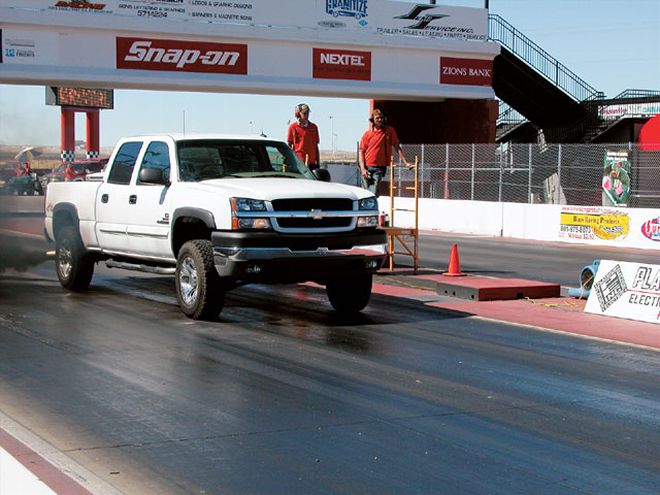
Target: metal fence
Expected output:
[527,173]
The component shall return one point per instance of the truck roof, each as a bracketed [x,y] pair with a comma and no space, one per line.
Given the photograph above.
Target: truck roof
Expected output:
[178,136]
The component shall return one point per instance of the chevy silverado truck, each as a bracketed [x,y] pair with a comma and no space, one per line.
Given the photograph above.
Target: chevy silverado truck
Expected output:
[217,212]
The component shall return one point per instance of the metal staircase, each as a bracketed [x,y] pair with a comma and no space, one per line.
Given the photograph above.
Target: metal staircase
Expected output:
[536,57]
[534,86]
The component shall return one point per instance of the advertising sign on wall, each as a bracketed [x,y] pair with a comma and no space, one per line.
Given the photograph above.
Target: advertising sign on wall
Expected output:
[651,229]
[616,178]
[626,290]
[614,112]
[180,55]
[589,223]
[466,71]
[341,64]
[28,47]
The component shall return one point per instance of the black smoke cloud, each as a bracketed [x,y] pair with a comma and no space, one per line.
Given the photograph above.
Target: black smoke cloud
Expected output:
[14,256]
[17,253]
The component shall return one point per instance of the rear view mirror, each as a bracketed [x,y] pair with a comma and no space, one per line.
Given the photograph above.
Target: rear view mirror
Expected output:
[153,176]
[322,174]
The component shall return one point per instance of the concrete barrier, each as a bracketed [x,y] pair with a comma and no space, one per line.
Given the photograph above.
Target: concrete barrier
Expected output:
[595,225]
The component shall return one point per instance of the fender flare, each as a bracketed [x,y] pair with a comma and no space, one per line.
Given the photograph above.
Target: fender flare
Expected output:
[68,209]
[199,213]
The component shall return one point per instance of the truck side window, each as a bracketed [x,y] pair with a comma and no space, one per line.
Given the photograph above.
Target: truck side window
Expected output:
[122,167]
[157,156]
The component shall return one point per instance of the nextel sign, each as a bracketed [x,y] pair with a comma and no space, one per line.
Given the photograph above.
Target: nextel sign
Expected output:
[341,64]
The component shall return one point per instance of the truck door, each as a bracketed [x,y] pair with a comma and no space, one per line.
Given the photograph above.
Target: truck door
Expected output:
[113,200]
[148,227]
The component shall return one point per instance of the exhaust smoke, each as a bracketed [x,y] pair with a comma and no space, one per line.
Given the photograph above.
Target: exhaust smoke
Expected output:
[17,253]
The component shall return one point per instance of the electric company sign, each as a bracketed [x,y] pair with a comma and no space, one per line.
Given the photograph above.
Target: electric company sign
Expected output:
[626,290]
[341,64]
[466,71]
[181,56]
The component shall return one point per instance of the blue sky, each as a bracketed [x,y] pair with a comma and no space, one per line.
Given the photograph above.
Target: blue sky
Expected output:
[612,44]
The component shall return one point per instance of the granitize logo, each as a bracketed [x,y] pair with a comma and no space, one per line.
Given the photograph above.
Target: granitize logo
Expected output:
[347,8]
[341,64]
[182,56]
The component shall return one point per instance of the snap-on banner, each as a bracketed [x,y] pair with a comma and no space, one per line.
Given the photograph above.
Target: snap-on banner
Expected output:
[626,290]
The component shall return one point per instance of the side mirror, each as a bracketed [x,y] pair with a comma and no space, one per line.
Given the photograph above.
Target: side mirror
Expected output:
[153,176]
[322,174]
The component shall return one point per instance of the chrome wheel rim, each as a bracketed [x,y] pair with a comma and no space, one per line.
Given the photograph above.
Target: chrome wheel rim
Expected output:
[64,257]
[188,281]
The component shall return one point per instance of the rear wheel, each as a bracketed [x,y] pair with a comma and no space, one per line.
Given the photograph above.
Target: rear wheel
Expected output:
[73,264]
[349,295]
[198,286]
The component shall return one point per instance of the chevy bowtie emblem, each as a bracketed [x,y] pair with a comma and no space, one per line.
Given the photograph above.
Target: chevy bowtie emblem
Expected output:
[317,214]
[422,20]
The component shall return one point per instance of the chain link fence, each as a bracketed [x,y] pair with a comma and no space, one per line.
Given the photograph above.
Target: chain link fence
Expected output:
[571,174]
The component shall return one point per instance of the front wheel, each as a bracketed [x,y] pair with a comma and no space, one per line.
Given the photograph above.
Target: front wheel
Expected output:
[349,295]
[74,265]
[198,286]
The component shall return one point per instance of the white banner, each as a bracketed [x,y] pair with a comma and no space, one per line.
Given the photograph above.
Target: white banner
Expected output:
[381,17]
[626,290]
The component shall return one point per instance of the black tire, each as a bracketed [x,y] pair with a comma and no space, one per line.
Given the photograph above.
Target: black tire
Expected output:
[349,295]
[198,286]
[73,264]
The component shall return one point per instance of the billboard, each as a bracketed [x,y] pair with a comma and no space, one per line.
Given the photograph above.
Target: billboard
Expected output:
[381,17]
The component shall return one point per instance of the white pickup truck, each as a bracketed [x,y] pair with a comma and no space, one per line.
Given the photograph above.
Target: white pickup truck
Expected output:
[218,212]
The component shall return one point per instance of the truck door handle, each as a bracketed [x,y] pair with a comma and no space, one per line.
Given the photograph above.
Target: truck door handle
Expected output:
[104,198]
[132,199]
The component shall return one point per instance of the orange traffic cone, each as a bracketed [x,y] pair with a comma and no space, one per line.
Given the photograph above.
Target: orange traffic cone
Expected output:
[454,269]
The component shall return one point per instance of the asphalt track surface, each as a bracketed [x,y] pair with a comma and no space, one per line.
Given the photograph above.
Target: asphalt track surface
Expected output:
[281,396]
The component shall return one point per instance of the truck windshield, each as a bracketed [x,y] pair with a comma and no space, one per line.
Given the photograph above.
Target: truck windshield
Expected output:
[206,159]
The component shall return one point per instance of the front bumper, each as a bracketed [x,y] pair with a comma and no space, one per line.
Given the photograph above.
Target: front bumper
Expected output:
[270,257]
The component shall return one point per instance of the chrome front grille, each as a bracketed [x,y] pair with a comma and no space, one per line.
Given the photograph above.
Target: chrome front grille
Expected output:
[308,204]
[302,213]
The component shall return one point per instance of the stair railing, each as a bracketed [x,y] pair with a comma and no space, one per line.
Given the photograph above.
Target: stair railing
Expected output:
[501,31]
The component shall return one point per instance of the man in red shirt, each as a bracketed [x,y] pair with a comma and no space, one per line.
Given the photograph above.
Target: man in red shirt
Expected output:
[303,137]
[375,151]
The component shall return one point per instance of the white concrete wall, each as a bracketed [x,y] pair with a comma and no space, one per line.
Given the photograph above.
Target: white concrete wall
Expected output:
[525,221]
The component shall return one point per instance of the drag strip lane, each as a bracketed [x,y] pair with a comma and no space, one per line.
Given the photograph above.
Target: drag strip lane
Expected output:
[281,396]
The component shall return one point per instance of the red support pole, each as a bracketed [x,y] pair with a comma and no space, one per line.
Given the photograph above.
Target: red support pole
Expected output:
[93,133]
[67,135]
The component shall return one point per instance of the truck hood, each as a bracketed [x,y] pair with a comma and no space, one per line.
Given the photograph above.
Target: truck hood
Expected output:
[271,188]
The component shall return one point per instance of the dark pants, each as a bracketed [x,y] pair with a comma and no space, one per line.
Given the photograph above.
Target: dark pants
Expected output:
[373,179]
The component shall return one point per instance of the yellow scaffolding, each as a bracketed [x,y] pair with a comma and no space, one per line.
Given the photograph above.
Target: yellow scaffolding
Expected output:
[406,238]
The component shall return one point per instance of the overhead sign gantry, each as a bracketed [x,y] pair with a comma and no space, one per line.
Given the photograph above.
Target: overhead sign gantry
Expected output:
[354,48]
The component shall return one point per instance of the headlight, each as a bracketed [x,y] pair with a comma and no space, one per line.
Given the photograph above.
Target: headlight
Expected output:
[250,223]
[246,204]
[370,203]
[242,214]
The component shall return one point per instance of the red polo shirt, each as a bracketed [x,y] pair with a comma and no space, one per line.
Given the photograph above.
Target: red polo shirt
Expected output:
[376,144]
[304,140]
